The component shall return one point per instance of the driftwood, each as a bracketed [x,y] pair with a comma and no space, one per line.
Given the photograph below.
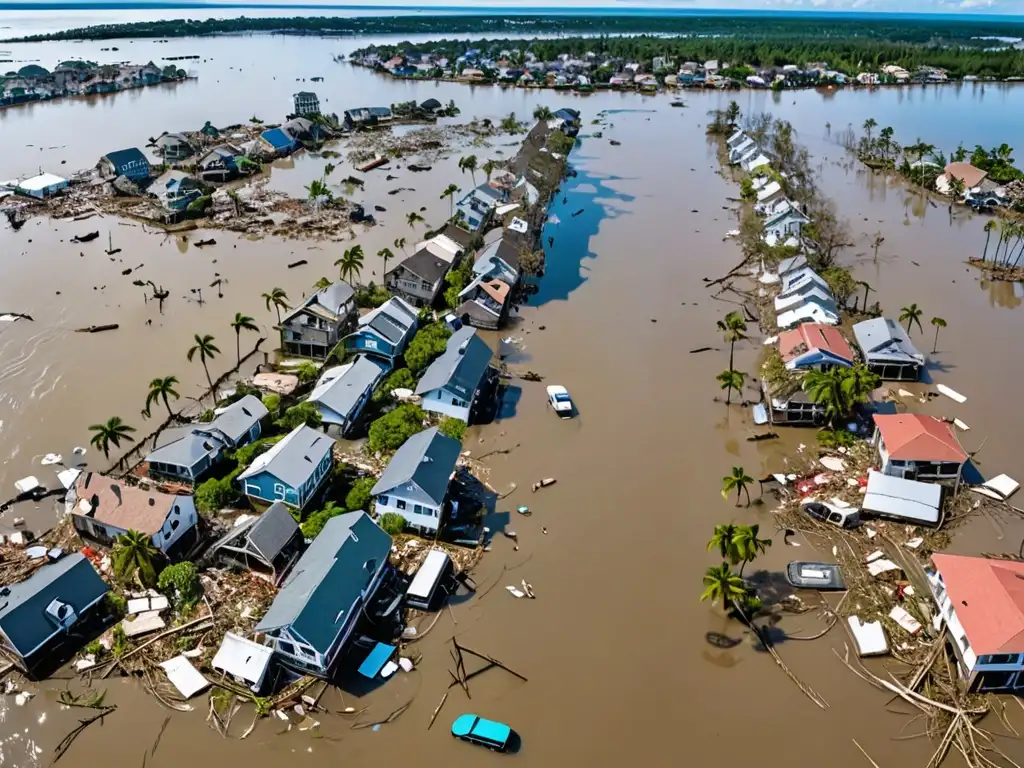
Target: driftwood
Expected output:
[18,315]
[299,263]
[762,436]
[86,238]
[437,710]
[702,349]
[204,243]
[61,749]
[98,328]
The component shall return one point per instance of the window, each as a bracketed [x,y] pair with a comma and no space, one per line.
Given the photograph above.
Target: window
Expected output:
[965,643]
[371,344]
[382,500]
[400,503]
[417,509]
[175,524]
[286,648]
[279,490]
[1002,658]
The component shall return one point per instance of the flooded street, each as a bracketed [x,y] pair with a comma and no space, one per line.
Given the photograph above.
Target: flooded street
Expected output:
[614,645]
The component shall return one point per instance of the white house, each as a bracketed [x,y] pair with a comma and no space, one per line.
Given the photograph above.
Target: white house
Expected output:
[801,286]
[341,398]
[810,309]
[788,222]
[756,161]
[768,193]
[451,383]
[741,149]
[415,481]
[982,605]
[103,508]
[918,447]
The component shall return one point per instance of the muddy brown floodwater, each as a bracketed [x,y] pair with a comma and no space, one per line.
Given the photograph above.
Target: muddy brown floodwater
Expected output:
[614,645]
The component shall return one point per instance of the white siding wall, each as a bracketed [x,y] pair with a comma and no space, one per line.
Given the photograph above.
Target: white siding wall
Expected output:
[428,517]
[956,629]
[440,401]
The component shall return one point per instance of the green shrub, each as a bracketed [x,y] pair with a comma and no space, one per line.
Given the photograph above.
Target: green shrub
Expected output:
[247,453]
[428,343]
[183,579]
[747,191]
[303,413]
[316,522]
[453,427]
[116,604]
[95,648]
[207,416]
[120,641]
[400,379]
[213,495]
[359,495]
[272,403]
[392,429]
[307,372]
[371,296]
[392,523]
[198,206]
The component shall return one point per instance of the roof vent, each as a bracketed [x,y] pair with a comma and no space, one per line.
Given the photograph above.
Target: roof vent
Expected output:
[5,591]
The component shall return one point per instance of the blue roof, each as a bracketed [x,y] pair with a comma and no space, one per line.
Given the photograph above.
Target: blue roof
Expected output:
[427,459]
[378,657]
[123,157]
[277,138]
[466,725]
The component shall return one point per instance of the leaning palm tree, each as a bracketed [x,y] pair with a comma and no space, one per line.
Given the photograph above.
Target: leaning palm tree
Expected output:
[938,322]
[542,113]
[468,163]
[319,193]
[450,191]
[278,298]
[387,254]
[737,481]
[731,381]
[413,218]
[134,556]
[749,545]
[400,244]
[911,315]
[351,263]
[826,388]
[989,226]
[162,389]
[109,434]
[734,328]
[206,350]
[721,584]
[242,323]
[323,283]
[724,540]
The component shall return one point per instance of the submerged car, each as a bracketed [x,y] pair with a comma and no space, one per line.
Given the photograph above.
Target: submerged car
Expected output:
[486,733]
[815,575]
[844,517]
[559,400]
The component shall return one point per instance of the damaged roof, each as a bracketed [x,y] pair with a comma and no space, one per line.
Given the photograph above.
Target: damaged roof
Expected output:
[427,459]
[120,505]
[461,366]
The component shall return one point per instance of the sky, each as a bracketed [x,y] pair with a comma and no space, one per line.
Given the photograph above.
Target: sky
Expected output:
[888,6]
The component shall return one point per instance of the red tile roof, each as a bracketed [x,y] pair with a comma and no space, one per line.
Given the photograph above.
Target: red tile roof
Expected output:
[967,173]
[913,437]
[988,597]
[810,336]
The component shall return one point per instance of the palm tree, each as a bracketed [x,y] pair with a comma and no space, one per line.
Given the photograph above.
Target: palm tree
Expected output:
[329,169]
[732,113]
[989,226]
[938,322]
[387,255]
[351,263]
[278,298]
[734,327]
[877,243]
[110,434]
[724,540]
[738,481]
[135,555]
[207,351]
[911,315]
[869,125]
[956,192]
[242,323]
[400,244]
[885,139]
[722,584]
[161,389]
[748,545]
[729,381]
[825,388]
[867,290]
[323,283]
[319,193]
[542,113]
[413,218]
[450,191]
[468,163]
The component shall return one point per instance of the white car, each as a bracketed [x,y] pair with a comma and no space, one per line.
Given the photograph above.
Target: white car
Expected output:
[559,400]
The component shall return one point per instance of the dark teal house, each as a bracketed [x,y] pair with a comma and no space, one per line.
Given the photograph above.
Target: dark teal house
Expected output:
[130,163]
[293,470]
[384,333]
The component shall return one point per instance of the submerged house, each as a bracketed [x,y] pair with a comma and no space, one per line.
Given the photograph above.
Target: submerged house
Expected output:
[314,327]
[341,399]
[787,221]
[415,481]
[918,447]
[220,163]
[276,142]
[385,332]
[175,190]
[451,383]
[814,346]
[102,509]
[185,454]
[419,279]
[174,147]
[812,305]
[322,598]
[130,163]
[306,103]
[486,303]
[268,542]
[38,614]
[887,350]
[293,470]
[474,210]
[981,603]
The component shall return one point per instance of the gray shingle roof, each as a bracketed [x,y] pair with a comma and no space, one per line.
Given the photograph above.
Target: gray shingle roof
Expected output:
[883,340]
[23,618]
[426,459]
[342,394]
[426,265]
[272,531]
[462,366]
[332,298]
[392,319]
[239,417]
[187,450]
[316,599]
[294,458]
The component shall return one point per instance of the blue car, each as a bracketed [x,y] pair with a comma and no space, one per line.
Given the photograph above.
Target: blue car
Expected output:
[486,733]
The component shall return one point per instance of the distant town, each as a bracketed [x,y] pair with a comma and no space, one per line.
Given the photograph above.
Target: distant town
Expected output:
[81,78]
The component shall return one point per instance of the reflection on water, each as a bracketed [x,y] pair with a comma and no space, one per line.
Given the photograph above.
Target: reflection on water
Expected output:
[1003,294]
